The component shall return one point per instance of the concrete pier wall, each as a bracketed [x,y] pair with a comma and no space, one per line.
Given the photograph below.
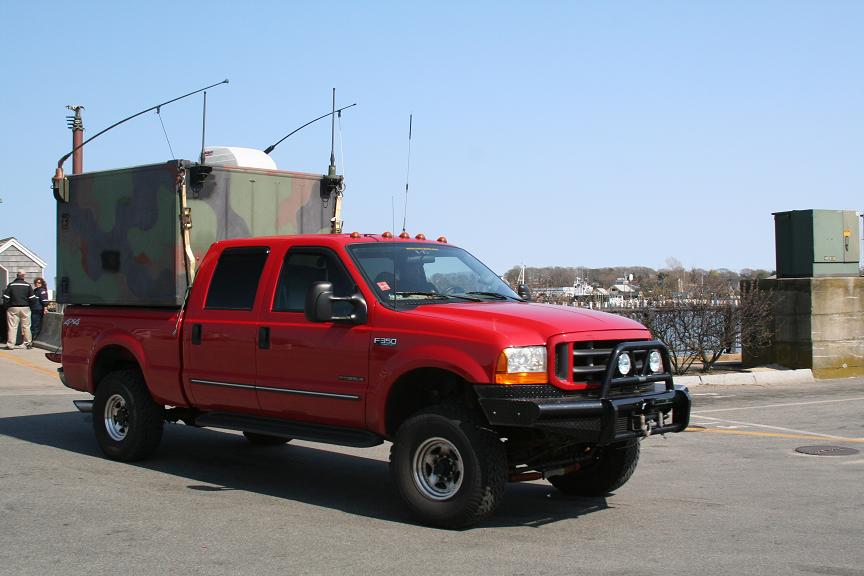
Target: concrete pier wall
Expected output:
[818,324]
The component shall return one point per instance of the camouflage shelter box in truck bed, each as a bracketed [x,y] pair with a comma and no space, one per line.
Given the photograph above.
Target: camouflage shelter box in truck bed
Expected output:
[120,237]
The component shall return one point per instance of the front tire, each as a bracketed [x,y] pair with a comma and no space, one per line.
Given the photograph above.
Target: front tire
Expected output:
[612,469]
[449,470]
[126,420]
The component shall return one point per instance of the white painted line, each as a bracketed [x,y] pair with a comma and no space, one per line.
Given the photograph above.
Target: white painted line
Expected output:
[792,430]
[778,405]
[4,393]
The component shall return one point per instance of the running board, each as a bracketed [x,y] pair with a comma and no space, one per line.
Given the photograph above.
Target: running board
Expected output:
[290,429]
[85,406]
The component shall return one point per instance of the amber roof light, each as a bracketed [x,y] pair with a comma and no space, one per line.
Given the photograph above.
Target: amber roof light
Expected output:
[442,239]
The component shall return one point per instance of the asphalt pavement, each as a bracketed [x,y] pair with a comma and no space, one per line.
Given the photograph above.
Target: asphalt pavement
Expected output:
[730,496]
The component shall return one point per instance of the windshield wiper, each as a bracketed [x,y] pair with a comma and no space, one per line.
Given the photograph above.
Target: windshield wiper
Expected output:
[439,296]
[495,295]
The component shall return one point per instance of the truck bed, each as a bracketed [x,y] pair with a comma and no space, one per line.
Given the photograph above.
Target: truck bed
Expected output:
[152,335]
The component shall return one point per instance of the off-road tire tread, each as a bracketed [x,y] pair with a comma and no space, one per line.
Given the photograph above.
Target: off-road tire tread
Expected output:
[145,433]
[490,455]
[615,467]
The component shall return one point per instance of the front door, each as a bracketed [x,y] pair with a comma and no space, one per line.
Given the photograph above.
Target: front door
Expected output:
[315,371]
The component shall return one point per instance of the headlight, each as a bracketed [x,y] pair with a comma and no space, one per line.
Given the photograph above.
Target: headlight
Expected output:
[624,363]
[655,361]
[522,365]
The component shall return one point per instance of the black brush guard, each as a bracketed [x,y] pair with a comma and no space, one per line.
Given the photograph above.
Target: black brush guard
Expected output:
[597,417]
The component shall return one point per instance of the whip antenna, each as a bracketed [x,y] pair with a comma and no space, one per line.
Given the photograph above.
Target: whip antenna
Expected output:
[203,127]
[408,174]
[60,184]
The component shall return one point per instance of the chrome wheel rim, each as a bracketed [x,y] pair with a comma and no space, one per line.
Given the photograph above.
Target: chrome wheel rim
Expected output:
[438,469]
[116,417]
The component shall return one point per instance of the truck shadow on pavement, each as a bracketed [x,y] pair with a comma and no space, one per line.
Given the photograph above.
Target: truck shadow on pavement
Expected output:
[215,461]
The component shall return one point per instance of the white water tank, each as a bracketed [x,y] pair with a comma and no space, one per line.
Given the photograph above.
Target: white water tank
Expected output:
[236,156]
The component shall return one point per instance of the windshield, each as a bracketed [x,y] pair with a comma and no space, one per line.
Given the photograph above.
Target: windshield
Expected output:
[422,273]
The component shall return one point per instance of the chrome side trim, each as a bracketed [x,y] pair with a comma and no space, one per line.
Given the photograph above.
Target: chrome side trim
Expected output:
[309,393]
[278,390]
[224,384]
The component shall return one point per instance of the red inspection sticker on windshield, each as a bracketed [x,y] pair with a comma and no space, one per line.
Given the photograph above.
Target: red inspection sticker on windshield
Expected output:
[383,286]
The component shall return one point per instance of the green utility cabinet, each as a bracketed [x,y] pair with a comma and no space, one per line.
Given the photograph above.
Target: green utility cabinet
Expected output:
[817,243]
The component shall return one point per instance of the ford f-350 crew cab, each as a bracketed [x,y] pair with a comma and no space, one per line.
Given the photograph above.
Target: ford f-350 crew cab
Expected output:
[357,339]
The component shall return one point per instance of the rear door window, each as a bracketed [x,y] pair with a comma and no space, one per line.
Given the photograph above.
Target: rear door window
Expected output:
[235,281]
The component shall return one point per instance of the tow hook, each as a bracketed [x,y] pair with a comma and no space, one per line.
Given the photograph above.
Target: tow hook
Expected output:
[645,425]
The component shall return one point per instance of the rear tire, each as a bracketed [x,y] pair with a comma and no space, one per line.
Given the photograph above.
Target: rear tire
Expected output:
[612,469]
[126,420]
[265,439]
[449,470]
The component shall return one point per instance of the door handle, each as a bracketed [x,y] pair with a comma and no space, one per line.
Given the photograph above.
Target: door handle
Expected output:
[196,334]
[264,337]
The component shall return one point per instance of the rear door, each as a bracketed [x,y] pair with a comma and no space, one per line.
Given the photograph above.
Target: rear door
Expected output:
[316,371]
[219,336]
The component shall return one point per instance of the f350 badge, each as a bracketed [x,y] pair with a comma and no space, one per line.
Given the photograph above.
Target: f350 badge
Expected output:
[384,341]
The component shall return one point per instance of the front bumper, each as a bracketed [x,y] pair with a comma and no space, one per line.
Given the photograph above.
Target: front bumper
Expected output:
[659,406]
[601,420]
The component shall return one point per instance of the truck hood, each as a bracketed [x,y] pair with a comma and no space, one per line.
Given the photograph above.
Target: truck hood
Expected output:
[525,322]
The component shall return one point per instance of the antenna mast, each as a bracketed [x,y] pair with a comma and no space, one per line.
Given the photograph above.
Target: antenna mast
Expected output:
[408,174]
[203,127]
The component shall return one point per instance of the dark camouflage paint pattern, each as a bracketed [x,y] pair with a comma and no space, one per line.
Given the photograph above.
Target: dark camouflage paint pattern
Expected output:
[119,241]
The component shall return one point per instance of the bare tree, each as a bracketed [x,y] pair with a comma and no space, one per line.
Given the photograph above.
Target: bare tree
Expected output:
[709,323]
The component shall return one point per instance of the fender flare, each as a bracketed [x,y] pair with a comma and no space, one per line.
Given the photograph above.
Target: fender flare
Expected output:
[425,356]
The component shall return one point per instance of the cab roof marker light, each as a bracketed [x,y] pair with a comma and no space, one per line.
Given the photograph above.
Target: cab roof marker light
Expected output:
[404,235]
[420,236]
[355,235]
[442,239]
[387,235]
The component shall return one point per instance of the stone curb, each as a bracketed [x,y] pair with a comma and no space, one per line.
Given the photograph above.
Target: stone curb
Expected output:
[761,377]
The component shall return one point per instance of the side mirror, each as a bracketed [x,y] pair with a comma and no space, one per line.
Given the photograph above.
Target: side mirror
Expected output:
[524,292]
[319,305]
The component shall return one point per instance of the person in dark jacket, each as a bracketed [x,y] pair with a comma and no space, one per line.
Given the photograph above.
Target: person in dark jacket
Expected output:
[38,307]
[18,298]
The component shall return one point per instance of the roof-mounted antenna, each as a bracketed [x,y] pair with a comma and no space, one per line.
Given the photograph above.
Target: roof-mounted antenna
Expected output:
[60,184]
[408,174]
[271,147]
[203,128]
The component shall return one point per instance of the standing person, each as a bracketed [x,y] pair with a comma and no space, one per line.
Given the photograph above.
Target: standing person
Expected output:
[38,307]
[18,297]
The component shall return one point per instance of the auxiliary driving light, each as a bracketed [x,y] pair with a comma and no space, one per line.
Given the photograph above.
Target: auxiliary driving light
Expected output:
[624,363]
[655,361]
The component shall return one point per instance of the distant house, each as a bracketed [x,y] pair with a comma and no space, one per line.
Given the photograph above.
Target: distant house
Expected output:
[14,258]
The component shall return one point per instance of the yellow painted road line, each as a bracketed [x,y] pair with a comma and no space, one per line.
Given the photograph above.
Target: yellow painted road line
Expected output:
[697,412]
[27,363]
[778,428]
[775,435]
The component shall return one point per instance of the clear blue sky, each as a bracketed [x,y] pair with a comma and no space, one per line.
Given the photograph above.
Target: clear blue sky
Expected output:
[549,133]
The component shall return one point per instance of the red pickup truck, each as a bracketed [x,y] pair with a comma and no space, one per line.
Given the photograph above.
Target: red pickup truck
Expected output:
[357,339]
